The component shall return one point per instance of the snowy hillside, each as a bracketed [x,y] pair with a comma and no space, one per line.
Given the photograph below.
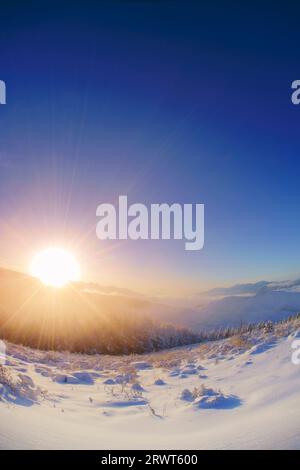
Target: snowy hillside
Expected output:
[242,392]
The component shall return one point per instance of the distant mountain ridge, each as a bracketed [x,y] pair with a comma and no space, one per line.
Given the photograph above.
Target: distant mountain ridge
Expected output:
[238,289]
[246,303]
[253,288]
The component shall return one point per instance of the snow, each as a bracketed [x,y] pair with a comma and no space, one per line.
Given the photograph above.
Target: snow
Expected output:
[218,395]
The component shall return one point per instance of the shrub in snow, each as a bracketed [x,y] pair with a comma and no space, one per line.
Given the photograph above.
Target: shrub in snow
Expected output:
[189,371]
[83,377]
[6,379]
[19,388]
[109,382]
[159,382]
[217,400]
[141,365]
[64,379]
[207,398]
[204,397]
[74,378]
[196,393]
[240,342]
[137,387]
[186,395]
[123,379]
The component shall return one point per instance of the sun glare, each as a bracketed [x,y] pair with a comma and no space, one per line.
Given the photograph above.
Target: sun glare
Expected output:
[55,267]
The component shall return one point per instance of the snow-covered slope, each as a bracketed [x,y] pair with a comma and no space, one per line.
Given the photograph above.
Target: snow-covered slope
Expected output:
[239,393]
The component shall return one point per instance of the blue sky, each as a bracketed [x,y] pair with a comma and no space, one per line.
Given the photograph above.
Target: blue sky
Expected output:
[162,101]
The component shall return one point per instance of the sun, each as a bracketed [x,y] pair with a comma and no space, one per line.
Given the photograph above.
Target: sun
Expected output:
[55,267]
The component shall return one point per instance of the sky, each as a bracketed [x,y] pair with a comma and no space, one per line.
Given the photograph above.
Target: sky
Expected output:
[167,101]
